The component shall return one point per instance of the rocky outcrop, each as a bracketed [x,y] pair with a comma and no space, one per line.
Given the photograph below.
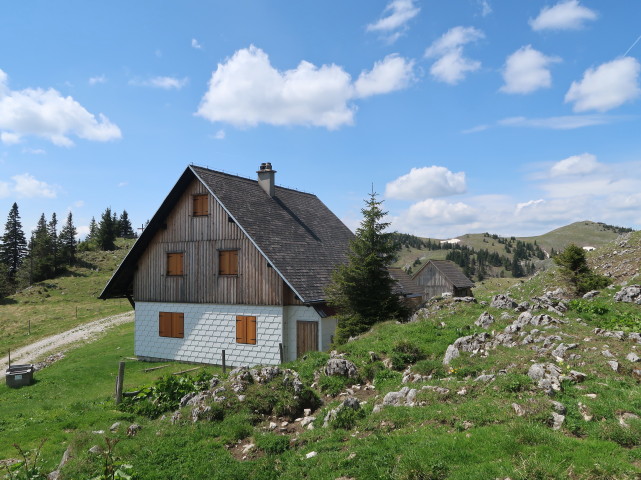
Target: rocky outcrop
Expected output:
[502,301]
[484,320]
[630,294]
[349,402]
[341,367]
[549,377]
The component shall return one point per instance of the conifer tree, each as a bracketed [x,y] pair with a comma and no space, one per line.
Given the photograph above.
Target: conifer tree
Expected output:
[68,242]
[13,244]
[125,229]
[41,252]
[107,232]
[362,289]
[93,230]
[52,229]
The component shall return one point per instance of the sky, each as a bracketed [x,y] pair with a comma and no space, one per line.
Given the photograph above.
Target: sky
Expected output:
[464,116]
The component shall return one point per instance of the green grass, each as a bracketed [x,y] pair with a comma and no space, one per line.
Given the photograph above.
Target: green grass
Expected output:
[59,304]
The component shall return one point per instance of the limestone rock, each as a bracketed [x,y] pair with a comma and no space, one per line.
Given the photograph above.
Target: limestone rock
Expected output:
[630,294]
[632,357]
[341,367]
[484,320]
[450,354]
[503,302]
[557,421]
[591,294]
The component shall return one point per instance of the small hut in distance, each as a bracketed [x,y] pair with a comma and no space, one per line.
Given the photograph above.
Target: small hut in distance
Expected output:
[437,277]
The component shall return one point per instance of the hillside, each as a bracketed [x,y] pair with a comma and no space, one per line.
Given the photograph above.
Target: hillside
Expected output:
[58,304]
[549,393]
[472,251]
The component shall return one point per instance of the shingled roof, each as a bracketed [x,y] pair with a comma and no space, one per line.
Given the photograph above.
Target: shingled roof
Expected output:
[451,272]
[405,285]
[299,236]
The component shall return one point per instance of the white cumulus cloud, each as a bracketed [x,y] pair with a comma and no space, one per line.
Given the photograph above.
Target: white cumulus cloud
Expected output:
[451,65]
[390,74]
[398,13]
[47,114]
[195,44]
[606,87]
[247,90]
[440,212]
[426,182]
[566,15]
[26,185]
[575,165]
[526,71]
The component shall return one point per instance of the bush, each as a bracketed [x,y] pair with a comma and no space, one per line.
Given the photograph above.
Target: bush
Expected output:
[405,353]
[272,444]
[513,382]
[333,385]
[346,418]
[430,367]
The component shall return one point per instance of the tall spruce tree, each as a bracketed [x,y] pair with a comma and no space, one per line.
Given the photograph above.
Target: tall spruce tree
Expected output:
[125,229]
[52,229]
[93,230]
[107,231]
[41,259]
[362,289]
[13,244]
[68,242]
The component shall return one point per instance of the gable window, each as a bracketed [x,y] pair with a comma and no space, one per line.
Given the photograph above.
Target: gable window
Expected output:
[171,324]
[246,329]
[175,264]
[200,205]
[228,262]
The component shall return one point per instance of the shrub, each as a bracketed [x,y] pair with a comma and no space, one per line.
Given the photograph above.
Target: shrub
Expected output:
[332,385]
[272,444]
[346,418]
[405,353]
[513,382]
[430,367]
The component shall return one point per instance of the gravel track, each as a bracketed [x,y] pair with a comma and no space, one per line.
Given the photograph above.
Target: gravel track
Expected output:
[85,333]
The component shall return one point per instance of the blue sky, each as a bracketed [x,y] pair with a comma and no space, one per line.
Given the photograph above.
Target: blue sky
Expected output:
[466,115]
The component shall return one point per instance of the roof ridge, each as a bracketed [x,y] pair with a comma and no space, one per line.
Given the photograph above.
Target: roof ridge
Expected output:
[249,179]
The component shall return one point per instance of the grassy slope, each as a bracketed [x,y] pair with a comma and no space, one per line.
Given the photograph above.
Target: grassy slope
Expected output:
[57,305]
[584,233]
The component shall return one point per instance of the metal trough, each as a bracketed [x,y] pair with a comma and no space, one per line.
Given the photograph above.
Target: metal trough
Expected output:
[19,375]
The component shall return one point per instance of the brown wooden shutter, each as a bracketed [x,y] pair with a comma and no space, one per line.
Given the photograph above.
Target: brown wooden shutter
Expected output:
[178,325]
[228,262]
[175,264]
[251,330]
[164,324]
[200,205]
[241,329]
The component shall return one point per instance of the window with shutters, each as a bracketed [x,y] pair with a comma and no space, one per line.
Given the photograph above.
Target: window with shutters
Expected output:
[245,329]
[171,324]
[175,264]
[200,205]
[228,262]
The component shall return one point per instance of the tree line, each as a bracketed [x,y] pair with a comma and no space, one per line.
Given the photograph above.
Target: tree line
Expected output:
[52,248]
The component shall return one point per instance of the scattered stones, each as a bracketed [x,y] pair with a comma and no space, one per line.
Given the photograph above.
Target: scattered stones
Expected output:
[630,294]
[557,420]
[618,334]
[632,357]
[484,320]
[558,407]
[591,294]
[114,427]
[133,430]
[485,378]
[625,417]
[341,367]
[585,412]
[502,301]
[518,409]
[614,365]
[96,450]
[547,376]
[248,448]
[409,377]
[607,354]
[562,349]
[349,402]
[311,454]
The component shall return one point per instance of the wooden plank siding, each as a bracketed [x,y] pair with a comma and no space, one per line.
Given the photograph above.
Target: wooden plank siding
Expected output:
[432,282]
[200,238]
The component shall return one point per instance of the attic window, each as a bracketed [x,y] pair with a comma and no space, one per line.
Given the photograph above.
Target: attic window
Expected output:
[228,262]
[171,324]
[175,264]
[200,205]
[245,329]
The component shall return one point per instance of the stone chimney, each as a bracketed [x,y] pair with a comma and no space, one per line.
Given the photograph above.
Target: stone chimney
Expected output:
[267,178]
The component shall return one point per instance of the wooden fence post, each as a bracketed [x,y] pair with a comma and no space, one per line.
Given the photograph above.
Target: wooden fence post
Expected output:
[280,351]
[224,365]
[119,381]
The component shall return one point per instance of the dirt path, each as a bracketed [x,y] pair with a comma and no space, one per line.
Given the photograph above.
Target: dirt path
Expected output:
[85,333]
